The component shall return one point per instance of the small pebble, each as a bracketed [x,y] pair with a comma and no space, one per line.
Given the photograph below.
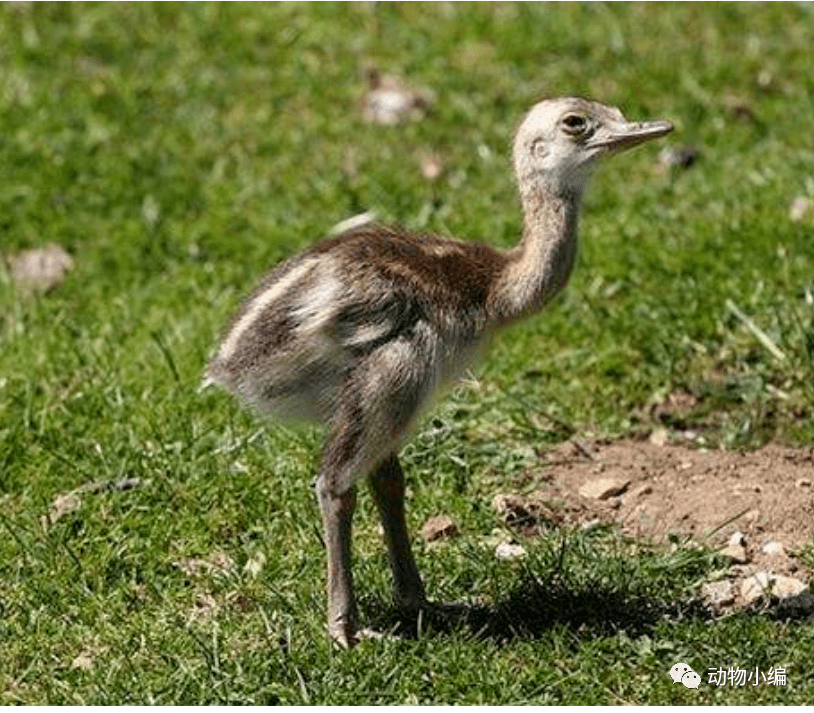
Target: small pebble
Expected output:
[777,585]
[718,594]
[737,538]
[773,548]
[437,527]
[603,488]
[509,551]
[756,586]
[737,553]
[783,587]
[40,269]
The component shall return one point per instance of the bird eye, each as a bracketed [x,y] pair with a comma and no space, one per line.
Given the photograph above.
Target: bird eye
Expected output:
[574,124]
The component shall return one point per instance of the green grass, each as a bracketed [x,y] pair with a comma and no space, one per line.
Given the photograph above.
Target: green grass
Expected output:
[180,150]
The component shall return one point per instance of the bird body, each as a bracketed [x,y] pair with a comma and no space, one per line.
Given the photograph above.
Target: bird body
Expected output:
[373,290]
[362,329]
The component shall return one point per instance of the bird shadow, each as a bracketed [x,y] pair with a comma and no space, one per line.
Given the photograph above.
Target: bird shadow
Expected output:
[536,607]
[590,610]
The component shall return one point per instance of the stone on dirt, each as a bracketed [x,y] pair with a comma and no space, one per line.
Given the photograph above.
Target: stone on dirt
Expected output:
[718,594]
[737,539]
[764,583]
[437,527]
[773,547]
[737,553]
[603,488]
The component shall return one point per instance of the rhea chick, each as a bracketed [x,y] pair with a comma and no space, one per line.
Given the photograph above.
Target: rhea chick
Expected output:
[359,331]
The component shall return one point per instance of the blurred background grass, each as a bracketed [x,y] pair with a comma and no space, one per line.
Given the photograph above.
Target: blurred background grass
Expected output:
[177,151]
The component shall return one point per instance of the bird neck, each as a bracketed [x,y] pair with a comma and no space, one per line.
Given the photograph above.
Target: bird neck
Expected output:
[540,266]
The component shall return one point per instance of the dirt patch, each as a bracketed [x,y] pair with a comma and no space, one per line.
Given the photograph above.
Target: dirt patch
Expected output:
[673,489]
[757,506]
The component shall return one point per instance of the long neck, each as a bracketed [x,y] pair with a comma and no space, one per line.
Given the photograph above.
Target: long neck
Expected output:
[539,267]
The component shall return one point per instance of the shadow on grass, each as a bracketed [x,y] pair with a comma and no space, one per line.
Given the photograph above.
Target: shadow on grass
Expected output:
[797,608]
[536,607]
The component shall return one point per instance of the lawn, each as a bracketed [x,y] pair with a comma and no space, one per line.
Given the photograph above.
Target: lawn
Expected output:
[161,545]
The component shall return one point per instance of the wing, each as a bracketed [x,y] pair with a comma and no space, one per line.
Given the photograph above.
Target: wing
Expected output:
[362,327]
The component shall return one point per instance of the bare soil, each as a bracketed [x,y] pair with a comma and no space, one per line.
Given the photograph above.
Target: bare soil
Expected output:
[670,493]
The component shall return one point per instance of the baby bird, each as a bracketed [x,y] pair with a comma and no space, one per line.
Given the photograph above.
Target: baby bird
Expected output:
[358,332]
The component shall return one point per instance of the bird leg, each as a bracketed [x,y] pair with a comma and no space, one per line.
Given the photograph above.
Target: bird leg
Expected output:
[387,484]
[373,408]
[337,515]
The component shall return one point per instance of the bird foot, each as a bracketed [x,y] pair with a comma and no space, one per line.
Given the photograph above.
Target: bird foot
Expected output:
[344,632]
[346,641]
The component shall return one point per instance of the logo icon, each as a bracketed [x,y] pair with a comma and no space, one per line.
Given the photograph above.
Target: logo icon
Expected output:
[683,673]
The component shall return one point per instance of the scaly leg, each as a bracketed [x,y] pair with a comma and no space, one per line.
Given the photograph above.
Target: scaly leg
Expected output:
[337,514]
[387,482]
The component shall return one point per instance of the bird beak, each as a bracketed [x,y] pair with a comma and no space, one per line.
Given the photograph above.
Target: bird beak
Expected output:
[623,135]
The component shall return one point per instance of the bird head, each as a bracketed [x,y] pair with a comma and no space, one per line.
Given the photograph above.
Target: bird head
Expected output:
[560,141]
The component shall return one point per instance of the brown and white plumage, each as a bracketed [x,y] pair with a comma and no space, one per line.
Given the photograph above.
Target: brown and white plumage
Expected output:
[359,331]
